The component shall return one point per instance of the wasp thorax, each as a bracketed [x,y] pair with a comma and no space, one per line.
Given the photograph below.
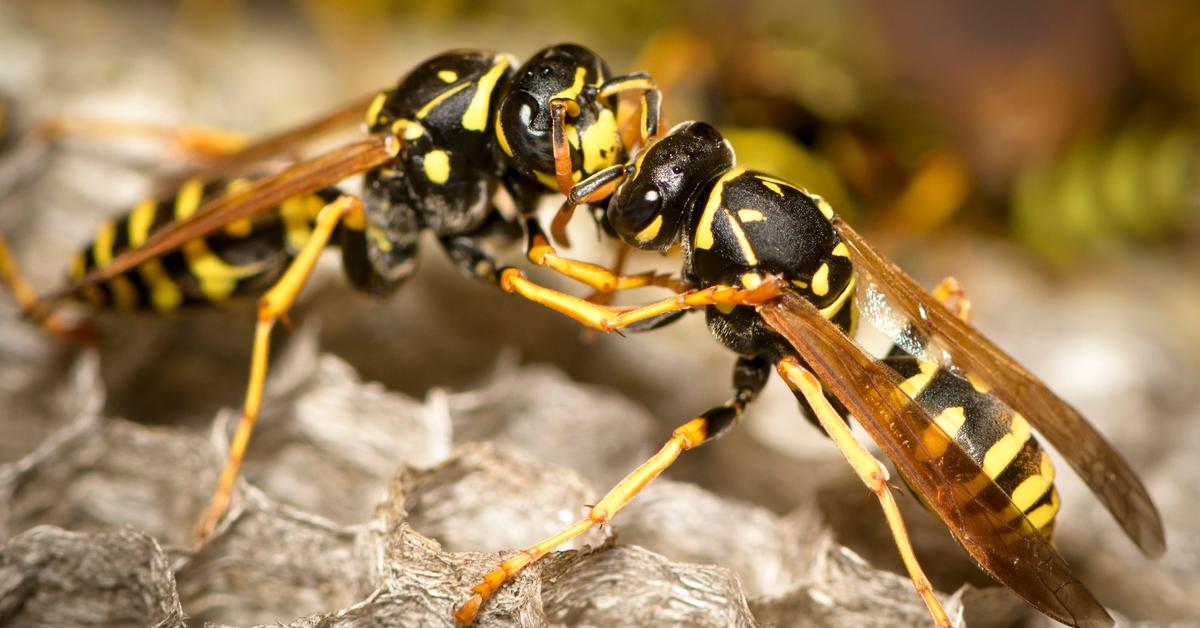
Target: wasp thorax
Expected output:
[649,208]
[566,73]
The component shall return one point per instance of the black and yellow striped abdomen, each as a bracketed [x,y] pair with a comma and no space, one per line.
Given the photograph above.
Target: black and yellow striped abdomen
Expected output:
[245,256]
[992,434]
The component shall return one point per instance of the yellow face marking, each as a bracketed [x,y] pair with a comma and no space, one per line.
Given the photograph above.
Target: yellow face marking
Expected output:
[376,107]
[447,76]
[501,138]
[140,221]
[475,117]
[831,310]
[651,230]
[917,383]
[743,241]
[102,246]
[437,166]
[1043,515]
[750,215]
[771,185]
[704,230]
[1000,455]
[571,92]
[440,98]
[601,143]
[820,281]
[840,250]
[751,280]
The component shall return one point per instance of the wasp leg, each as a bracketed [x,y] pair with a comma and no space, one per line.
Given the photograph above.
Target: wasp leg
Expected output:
[273,306]
[600,297]
[199,141]
[608,318]
[649,102]
[597,187]
[541,252]
[564,170]
[34,309]
[749,377]
[870,470]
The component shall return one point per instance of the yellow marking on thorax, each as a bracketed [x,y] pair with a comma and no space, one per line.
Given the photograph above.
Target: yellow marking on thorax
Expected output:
[440,98]
[725,308]
[217,278]
[840,250]
[831,310]
[823,205]
[447,76]
[750,215]
[437,166]
[799,284]
[743,241]
[375,108]
[771,185]
[917,383]
[978,384]
[1032,488]
[704,229]
[601,143]
[1001,454]
[651,230]
[408,130]
[820,281]
[475,117]
[751,280]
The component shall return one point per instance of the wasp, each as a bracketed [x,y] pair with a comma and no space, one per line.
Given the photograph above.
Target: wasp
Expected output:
[439,145]
[777,274]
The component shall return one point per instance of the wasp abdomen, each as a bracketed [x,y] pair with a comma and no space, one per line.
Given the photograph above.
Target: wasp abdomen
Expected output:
[992,434]
[244,256]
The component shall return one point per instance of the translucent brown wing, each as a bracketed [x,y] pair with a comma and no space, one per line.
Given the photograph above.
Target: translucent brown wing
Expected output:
[277,144]
[1104,470]
[301,178]
[978,513]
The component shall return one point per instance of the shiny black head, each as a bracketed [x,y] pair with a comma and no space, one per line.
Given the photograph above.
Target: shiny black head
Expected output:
[649,208]
[523,119]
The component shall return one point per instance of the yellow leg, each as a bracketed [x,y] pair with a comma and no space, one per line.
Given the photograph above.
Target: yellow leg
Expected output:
[607,318]
[35,310]
[600,279]
[194,140]
[684,437]
[870,470]
[273,306]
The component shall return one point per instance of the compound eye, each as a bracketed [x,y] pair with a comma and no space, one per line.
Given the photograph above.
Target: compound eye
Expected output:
[637,214]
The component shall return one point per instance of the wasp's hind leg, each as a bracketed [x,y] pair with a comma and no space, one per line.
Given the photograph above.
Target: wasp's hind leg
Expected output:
[749,377]
[347,211]
[189,140]
[45,315]
[868,468]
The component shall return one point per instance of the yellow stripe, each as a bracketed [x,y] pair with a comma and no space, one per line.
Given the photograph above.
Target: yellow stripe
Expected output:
[125,296]
[188,198]
[651,231]
[823,205]
[840,250]
[743,241]
[475,117]
[820,281]
[571,92]
[140,221]
[1000,455]
[917,383]
[102,246]
[217,278]
[832,309]
[704,231]
[937,437]
[440,98]
[501,138]
[1031,489]
[1043,515]
[770,185]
